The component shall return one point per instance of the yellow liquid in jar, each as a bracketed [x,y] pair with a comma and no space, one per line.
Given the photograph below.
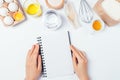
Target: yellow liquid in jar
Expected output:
[33,9]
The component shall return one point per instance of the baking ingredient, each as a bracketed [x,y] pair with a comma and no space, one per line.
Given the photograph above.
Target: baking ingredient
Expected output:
[52,20]
[34,9]
[13,7]
[11,12]
[18,16]
[112,8]
[8,20]
[55,4]
[97,25]
[8,1]
[3,11]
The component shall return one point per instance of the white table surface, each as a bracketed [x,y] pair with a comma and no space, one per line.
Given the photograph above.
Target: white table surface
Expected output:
[102,49]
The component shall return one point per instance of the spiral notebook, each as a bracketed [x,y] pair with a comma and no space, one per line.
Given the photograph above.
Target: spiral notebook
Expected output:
[56,54]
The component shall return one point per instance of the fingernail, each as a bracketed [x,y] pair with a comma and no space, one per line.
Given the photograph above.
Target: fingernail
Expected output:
[32,46]
[71,45]
[37,44]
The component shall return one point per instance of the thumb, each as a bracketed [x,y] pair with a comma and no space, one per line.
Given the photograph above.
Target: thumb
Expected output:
[39,62]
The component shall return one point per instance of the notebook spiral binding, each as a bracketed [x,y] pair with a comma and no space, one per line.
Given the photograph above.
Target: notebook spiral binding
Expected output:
[44,71]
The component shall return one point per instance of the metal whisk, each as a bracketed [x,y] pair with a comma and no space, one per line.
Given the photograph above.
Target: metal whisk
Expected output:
[85,12]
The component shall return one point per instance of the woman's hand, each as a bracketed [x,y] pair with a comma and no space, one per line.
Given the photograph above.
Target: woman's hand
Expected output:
[33,63]
[79,63]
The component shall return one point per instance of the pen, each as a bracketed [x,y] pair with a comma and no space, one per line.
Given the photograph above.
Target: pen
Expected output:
[69,38]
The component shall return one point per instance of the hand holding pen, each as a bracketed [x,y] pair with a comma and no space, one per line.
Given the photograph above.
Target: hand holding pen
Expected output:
[79,63]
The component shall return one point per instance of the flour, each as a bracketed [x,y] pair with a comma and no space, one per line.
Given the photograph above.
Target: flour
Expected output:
[54,2]
[112,8]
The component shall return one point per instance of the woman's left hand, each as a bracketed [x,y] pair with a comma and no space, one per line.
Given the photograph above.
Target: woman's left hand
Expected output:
[33,63]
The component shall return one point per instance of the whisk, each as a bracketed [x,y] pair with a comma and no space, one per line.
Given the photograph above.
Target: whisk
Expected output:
[85,12]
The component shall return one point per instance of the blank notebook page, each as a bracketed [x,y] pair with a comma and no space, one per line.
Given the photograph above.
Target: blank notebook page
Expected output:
[57,54]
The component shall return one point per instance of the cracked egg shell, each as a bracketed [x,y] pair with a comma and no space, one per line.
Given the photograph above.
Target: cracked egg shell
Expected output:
[13,7]
[3,11]
[8,20]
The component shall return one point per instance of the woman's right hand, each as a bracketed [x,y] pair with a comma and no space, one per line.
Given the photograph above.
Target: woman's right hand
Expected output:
[80,63]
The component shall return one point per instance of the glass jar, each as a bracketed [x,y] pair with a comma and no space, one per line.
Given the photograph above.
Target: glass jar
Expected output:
[32,7]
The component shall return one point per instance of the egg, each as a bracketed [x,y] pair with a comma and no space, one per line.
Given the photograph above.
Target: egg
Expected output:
[13,7]
[18,16]
[3,11]
[1,2]
[8,1]
[8,20]
[97,25]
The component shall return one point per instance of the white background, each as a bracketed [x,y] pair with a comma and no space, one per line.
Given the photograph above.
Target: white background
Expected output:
[102,49]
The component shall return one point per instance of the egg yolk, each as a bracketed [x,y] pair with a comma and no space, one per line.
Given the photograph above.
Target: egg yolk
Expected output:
[33,9]
[97,25]
[18,16]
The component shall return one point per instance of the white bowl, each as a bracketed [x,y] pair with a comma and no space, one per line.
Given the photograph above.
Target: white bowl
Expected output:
[52,20]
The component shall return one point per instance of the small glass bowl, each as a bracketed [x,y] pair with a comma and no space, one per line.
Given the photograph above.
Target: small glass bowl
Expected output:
[52,20]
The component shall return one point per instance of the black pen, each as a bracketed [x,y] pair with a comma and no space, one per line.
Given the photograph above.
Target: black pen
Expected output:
[69,37]
[69,40]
